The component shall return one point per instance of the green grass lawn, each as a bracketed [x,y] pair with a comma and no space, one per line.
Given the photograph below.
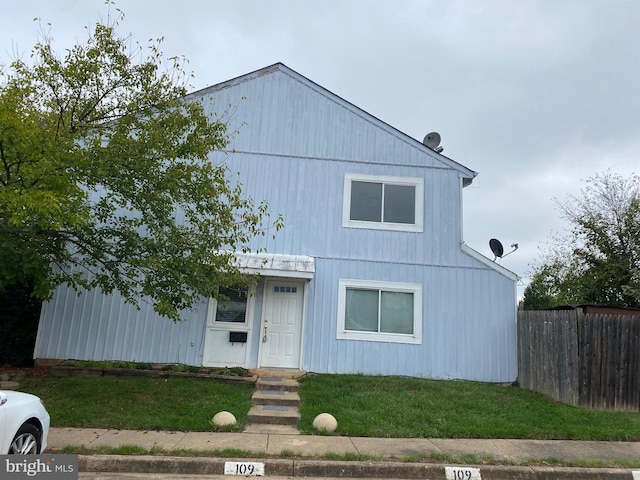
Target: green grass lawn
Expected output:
[411,408]
[182,404]
[363,406]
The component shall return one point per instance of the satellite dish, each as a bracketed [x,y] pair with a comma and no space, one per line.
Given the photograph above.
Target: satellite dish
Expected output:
[496,248]
[432,140]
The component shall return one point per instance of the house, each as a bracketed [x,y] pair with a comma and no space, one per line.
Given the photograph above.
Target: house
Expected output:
[370,273]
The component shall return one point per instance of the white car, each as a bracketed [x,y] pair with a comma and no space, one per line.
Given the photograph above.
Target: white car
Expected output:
[24,423]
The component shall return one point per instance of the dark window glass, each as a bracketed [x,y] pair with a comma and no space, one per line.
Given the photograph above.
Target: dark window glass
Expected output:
[396,312]
[400,204]
[394,315]
[366,201]
[367,205]
[361,310]
[282,289]
[234,307]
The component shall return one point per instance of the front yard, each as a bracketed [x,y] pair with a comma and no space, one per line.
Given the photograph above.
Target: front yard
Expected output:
[363,406]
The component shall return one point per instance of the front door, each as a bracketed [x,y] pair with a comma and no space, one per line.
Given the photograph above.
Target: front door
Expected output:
[282,324]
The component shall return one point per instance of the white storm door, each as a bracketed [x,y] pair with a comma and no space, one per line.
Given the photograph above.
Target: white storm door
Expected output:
[283,321]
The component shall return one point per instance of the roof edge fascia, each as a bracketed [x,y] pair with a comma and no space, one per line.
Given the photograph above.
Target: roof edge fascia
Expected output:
[486,261]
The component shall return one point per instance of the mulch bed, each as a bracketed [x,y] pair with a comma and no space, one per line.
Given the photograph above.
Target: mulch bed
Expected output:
[29,372]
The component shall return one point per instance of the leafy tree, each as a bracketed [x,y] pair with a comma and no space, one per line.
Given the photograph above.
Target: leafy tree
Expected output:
[105,177]
[598,261]
[554,283]
[538,293]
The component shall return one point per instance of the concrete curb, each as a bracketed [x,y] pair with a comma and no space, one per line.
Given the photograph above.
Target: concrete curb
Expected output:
[319,468]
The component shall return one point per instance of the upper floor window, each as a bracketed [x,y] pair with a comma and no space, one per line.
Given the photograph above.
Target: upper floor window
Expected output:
[383,202]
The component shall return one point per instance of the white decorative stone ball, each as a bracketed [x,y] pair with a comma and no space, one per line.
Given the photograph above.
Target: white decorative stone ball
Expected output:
[222,419]
[325,421]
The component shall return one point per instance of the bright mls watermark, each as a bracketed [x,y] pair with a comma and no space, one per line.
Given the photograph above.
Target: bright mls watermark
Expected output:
[51,467]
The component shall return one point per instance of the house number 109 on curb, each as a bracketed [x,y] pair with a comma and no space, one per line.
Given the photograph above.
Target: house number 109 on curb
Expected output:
[246,469]
[462,473]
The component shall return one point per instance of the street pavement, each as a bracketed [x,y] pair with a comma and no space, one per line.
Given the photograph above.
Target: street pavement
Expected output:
[305,455]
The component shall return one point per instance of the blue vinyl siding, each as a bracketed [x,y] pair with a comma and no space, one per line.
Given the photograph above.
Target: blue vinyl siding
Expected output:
[309,194]
[295,143]
[94,326]
[464,330]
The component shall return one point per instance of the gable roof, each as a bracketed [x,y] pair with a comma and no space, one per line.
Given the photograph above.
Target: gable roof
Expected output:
[465,173]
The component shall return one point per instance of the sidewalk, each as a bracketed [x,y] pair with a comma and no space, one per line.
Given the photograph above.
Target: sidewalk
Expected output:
[318,445]
[387,450]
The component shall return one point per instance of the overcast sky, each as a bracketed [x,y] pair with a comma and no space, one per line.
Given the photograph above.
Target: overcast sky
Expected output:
[535,96]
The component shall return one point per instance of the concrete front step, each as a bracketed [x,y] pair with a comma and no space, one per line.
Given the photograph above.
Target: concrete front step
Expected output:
[277,383]
[277,372]
[275,405]
[276,397]
[274,415]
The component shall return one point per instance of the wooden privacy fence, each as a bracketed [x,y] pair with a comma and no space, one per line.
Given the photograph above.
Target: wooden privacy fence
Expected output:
[586,360]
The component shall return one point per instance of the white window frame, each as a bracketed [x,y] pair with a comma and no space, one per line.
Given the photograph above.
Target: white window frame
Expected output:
[416,182]
[414,288]
[233,326]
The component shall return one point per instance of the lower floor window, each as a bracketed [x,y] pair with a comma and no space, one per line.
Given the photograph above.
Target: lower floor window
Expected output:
[232,307]
[380,311]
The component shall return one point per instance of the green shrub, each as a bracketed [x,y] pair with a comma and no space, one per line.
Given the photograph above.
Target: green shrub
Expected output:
[19,317]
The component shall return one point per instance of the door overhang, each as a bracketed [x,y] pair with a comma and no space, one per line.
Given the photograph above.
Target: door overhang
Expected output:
[276,265]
